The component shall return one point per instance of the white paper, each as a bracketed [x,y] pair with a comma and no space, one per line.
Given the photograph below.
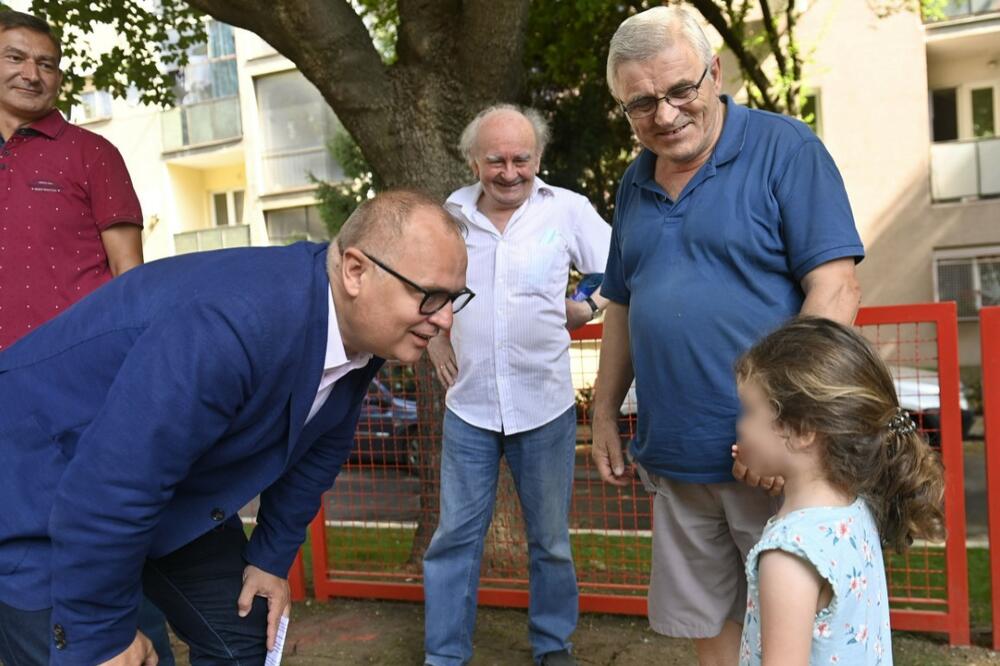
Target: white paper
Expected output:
[274,655]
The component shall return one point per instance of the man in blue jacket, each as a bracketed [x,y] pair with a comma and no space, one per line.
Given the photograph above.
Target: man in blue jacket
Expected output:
[135,426]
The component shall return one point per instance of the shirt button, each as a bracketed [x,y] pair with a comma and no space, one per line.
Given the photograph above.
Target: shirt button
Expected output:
[218,515]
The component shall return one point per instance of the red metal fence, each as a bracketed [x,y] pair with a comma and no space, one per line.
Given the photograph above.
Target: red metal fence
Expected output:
[368,539]
[989,332]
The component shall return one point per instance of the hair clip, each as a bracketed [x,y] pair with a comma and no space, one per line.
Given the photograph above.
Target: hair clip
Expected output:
[901,423]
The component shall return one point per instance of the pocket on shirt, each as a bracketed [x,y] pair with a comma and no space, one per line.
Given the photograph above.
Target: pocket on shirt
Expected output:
[543,266]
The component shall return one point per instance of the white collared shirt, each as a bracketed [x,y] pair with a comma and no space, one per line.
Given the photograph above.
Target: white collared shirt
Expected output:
[511,341]
[337,363]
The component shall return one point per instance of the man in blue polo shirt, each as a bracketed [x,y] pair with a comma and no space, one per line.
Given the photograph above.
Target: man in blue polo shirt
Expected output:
[729,222]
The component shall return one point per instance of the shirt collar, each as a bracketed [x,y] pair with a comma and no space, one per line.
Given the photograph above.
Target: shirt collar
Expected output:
[50,125]
[336,355]
[729,145]
[466,198]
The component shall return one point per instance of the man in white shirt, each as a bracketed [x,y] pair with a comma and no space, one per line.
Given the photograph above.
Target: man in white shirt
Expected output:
[507,371]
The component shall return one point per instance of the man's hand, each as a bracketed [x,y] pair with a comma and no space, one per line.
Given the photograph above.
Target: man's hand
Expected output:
[443,357]
[772,485]
[139,653]
[606,451]
[259,583]
[578,313]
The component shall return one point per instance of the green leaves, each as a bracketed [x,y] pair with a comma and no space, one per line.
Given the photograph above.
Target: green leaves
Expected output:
[122,45]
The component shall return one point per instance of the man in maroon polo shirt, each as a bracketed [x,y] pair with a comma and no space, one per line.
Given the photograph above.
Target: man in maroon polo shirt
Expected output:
[69,218]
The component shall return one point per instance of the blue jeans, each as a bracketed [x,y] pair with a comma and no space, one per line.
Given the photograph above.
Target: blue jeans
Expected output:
[541,463]
[196,587]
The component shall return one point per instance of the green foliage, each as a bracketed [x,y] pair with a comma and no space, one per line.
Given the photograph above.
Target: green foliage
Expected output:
[565,57]
[338,200]
[154,39]
[381,17]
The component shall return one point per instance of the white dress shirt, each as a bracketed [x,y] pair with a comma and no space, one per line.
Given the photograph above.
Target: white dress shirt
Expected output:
[511,341]
[337,363]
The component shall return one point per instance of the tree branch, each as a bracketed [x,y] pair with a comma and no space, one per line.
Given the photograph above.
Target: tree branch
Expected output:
[772,37]
[793,53]
[427,32]
[491,49]
[748,62]
[326,39]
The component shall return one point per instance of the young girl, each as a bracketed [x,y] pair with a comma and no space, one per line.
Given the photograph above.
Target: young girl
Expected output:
[820,410]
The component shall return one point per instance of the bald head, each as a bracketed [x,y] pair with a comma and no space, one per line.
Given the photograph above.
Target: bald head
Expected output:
[470,143]
[381,223]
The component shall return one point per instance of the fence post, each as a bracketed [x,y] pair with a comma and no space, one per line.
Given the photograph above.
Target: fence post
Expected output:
[989,336]
[297,578]
[317,531]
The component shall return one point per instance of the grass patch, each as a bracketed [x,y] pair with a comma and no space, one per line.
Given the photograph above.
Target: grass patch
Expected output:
[919,574]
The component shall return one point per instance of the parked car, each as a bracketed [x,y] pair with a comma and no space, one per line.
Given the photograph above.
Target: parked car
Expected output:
[920,394]
[387,430]
[918,391]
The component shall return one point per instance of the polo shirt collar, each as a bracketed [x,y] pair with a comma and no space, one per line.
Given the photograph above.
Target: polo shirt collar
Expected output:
[729,145]
[50,125]
[734,132]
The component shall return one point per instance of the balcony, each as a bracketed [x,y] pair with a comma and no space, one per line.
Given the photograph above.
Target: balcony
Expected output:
[959,9]
[204,123]
[216,238]
[965,169]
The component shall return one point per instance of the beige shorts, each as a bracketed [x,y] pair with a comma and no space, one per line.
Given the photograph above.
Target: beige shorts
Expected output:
[701,536]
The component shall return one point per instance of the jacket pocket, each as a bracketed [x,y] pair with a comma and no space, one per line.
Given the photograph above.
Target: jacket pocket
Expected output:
[31,465]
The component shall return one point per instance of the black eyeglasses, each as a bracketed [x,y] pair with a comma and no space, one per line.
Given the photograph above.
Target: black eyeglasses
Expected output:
[646,106]
[434,299]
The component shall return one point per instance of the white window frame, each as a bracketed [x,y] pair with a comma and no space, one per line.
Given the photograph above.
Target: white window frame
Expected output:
[77,113]
[230,206]
[972,255]
[965,106]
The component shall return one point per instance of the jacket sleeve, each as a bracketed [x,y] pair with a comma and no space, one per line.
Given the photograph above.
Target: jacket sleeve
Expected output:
[290,503]
[175,394]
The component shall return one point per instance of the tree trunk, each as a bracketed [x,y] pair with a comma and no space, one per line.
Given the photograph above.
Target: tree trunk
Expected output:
[454,58]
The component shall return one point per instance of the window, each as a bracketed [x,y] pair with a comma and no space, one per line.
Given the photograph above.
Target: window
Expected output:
[94,105]
[982,113]
[288,225]
[971,278]
[297,124]
[211,69]
[227,208]
[944,114]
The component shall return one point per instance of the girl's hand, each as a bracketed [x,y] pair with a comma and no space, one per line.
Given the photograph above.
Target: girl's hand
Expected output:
[772,485]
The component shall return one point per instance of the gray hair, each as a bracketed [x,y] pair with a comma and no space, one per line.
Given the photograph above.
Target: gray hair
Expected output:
[467,144]
[646,34]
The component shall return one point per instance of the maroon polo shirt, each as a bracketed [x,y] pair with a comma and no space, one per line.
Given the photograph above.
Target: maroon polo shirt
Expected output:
[60,187]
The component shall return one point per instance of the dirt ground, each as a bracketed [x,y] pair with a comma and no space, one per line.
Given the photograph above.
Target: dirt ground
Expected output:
[391,634]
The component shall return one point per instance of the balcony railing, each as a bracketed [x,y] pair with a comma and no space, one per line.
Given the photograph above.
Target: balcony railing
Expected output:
[956,9]
[965,169]
[215,238]
[202,123]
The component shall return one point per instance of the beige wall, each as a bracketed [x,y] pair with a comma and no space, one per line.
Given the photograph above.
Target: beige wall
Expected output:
[873,74]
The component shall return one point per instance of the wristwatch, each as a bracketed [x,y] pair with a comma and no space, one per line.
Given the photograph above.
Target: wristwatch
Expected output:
[593,307]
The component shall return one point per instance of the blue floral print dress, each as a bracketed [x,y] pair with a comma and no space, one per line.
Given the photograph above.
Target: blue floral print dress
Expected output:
[842,544]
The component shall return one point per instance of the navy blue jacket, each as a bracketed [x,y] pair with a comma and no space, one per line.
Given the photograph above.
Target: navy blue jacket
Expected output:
[151,411]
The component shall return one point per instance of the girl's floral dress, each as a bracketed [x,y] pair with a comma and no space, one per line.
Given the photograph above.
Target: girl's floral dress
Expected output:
[842,544]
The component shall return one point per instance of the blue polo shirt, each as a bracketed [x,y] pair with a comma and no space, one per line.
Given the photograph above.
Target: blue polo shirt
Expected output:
[709,274]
